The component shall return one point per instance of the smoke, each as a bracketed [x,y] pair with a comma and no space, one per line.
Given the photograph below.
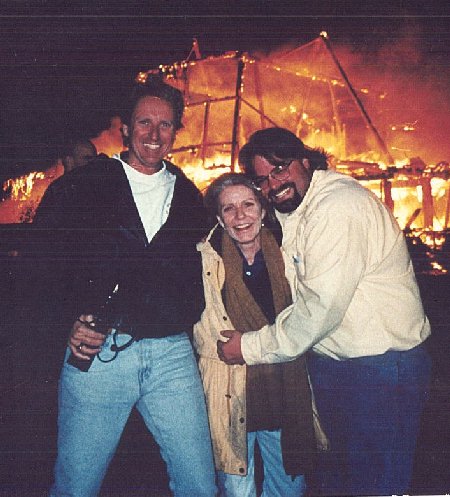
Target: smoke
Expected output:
[408,79]
[401,74]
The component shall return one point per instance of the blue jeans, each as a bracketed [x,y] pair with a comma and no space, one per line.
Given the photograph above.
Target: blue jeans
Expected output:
[276,482]
[159,377]
[370,409]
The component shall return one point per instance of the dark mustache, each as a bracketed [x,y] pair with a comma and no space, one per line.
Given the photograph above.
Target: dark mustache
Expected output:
[273,193]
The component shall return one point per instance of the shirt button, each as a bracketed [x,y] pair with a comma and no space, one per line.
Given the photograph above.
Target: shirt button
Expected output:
[208,273]
[242,471]
[241,420]
[248,273]
[225,318]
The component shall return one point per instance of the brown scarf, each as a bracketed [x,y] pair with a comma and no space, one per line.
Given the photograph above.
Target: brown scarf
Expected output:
[278,395]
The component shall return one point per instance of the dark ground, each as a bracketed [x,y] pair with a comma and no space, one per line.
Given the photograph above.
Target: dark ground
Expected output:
[28,419]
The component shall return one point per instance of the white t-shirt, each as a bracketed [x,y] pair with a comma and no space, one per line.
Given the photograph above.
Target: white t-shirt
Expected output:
[152,194]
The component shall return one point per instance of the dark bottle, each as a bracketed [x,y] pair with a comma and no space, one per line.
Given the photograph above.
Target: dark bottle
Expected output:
[104,319]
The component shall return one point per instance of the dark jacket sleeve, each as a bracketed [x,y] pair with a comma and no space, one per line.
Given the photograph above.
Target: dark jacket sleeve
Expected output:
[51,256]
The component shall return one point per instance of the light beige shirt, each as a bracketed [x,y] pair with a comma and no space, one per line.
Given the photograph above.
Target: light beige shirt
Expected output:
[351,277]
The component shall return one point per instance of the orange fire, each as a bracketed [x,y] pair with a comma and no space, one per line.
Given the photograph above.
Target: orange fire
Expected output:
[109,141]
[305,90]
[21,187]
[25,193]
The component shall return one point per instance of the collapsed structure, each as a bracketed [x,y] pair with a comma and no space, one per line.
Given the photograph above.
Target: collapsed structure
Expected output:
[307,91]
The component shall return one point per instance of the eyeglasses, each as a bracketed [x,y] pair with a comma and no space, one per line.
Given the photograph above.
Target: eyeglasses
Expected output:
[280,172]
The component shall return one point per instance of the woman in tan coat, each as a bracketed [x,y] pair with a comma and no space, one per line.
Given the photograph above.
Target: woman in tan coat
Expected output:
[245,288]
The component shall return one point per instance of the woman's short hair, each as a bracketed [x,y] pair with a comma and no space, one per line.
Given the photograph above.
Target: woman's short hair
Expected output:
[211,198]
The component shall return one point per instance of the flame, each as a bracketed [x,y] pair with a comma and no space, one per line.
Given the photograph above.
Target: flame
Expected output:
[21,187]
[203,174]
[432,239]
[438,268]
[25,193]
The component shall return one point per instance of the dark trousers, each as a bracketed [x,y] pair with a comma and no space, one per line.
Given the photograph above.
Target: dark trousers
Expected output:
[370,408]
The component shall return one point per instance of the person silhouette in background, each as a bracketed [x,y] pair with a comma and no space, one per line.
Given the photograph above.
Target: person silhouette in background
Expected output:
[77,153]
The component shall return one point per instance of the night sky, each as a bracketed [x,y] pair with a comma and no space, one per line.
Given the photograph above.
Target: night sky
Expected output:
[64,69]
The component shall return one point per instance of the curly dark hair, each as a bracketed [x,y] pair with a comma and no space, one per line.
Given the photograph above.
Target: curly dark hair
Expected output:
[155,87]
[275,144]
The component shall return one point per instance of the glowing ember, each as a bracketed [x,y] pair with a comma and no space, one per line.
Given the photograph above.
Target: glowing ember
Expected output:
[438,269]
[432,239]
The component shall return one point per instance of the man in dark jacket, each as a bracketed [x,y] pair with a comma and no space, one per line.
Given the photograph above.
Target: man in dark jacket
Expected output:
[121,235]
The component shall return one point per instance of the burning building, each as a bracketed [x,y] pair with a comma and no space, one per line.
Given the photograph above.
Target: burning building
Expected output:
[306,90]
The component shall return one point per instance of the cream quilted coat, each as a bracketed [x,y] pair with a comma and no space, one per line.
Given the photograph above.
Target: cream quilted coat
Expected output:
[224,385]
